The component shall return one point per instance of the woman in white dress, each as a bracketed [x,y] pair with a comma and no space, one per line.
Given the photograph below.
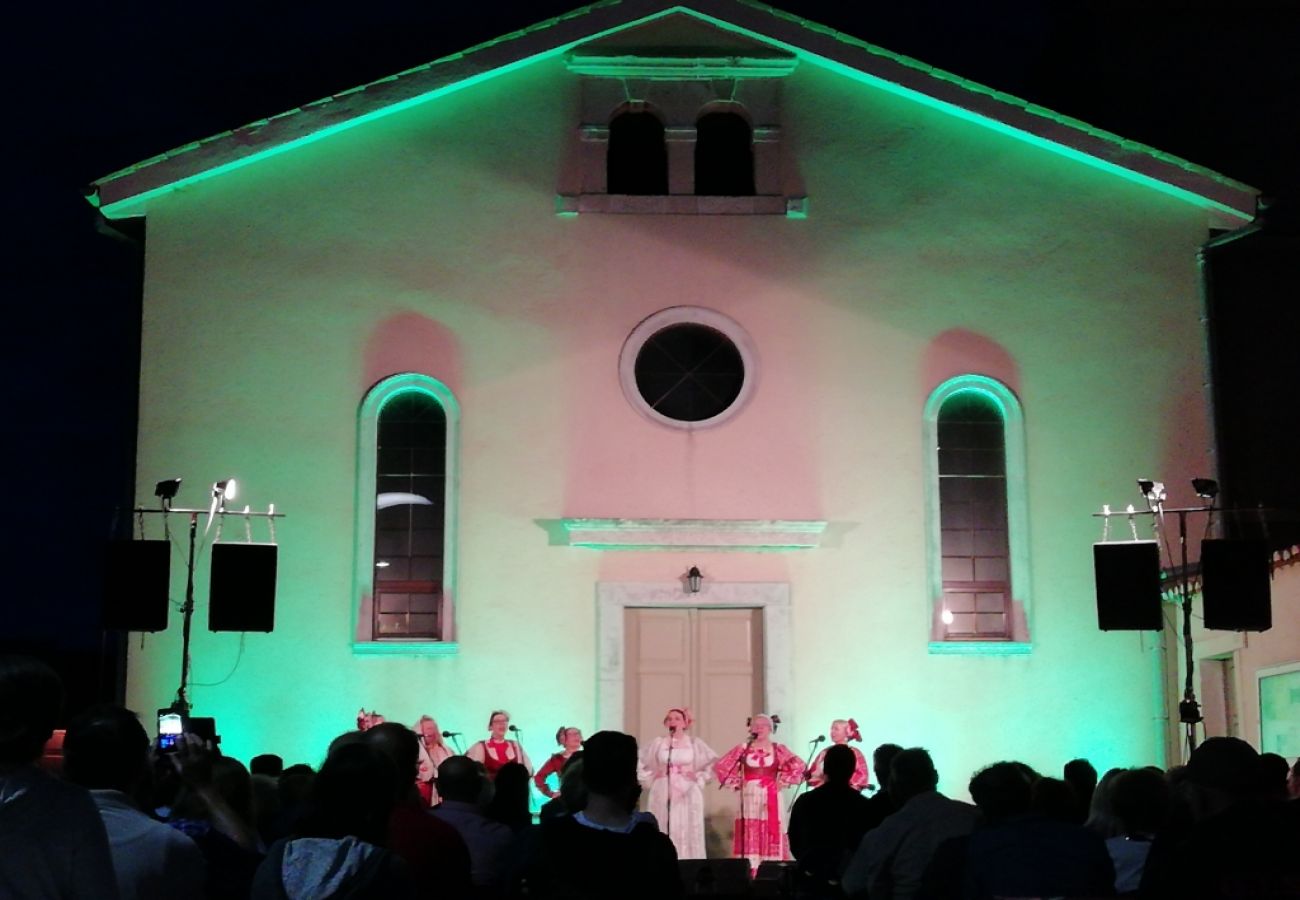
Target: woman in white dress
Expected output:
[433,750]
[675,767]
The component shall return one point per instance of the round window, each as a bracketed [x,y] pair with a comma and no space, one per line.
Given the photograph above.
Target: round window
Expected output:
[687,367]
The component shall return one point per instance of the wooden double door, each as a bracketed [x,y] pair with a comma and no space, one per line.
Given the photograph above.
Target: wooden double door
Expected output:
[710,660]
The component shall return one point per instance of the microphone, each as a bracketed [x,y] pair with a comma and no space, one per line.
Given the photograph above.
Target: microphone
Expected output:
[514,728]
[672,729]
[753,736]
[451,734]
[819,739]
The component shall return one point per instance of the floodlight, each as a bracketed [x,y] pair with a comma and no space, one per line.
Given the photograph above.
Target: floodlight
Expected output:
[1153,491]
[223,491]
[1205,487]
[166,490]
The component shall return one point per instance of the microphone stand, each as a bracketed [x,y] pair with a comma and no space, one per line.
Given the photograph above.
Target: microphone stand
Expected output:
[455,743]
[808,774]
[668,780]
[742,766]
[519,749]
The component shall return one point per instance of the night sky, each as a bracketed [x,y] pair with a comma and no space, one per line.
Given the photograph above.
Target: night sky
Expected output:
[93,88]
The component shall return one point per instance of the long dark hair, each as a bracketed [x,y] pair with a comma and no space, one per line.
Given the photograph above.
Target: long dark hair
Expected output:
[351,795]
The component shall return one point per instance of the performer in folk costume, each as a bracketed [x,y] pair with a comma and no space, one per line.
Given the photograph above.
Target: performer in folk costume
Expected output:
[496,751]
[759,769]
[842,731]
[368,720]
[432,752]
[675,766]
[570,741]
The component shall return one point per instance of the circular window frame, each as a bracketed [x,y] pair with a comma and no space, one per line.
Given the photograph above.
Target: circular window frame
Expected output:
[687,315]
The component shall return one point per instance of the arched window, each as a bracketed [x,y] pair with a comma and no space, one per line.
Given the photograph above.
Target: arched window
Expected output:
[406,519]
[724,156]
[637,158]
[978,554]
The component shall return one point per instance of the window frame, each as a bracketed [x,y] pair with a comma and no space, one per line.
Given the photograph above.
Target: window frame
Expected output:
[717,110]
[364,639]
[1017,518]
[638,109]
[687,315]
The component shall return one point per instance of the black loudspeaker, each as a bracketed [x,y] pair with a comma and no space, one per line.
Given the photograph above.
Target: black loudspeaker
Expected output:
[1235,592]
[241,593]
[137,580]
[1128,586]
[715,878]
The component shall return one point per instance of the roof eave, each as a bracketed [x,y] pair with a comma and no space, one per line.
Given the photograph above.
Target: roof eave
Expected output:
[127,192]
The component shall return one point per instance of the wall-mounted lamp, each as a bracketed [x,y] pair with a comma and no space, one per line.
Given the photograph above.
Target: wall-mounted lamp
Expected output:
[693,580]
[1205,487]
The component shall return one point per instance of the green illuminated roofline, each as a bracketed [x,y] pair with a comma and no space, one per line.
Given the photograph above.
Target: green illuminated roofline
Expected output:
[127,192]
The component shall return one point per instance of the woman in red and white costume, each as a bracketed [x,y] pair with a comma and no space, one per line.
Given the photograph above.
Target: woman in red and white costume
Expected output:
[759,769]
[681,784]
[842,731]
[496,751]
[570,741]
[432,752]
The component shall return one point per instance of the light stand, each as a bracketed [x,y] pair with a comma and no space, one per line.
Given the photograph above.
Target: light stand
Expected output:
[182,703]
[1189,710]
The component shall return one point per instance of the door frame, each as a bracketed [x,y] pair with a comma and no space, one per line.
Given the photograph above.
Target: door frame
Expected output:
[613,597]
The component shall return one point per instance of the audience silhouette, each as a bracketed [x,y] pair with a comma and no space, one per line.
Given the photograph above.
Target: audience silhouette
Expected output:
[53,843]
[126,821]
[827,824]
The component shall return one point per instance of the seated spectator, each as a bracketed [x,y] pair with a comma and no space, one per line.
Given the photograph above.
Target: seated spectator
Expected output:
[461,783]
[107,751]
[338,849]
[215,809]
[1273,774]
[882,801]
[1056,799]
[1082,776]
[266,807]
[1021,852]
[266,764]
[827,824]
[1102,820]
[1239,842]
[434,850]
[891,860]
[510,799]
[606,850]
[293,789]
[1140,799]
[53,845]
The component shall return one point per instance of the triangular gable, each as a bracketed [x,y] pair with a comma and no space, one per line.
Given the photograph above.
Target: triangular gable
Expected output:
[127,192]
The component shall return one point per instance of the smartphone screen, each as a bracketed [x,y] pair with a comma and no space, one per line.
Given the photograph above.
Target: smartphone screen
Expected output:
[170,727]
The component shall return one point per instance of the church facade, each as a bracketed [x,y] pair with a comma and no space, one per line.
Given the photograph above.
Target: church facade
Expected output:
[523,341]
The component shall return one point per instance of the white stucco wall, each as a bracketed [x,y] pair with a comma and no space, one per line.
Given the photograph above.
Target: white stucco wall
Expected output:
[427,241]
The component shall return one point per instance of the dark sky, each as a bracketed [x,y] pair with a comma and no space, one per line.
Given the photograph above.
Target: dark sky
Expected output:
[112,86]
[92,88]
